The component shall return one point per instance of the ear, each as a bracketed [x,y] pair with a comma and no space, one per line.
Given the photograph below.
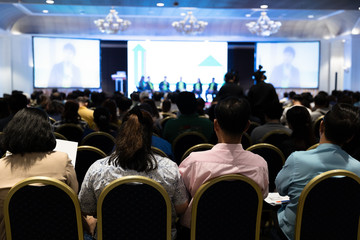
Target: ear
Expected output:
[322,127]
[216,125]
[247,126]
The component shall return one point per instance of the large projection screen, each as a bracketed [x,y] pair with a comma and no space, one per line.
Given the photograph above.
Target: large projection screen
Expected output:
[66,63]
[290,64]
[175,60]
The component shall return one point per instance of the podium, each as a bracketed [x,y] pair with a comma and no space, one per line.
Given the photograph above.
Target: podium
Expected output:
[120,81]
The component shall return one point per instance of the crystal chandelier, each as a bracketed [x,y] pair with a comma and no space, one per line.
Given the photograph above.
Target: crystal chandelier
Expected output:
[112,23]
[190,25]
[264,26]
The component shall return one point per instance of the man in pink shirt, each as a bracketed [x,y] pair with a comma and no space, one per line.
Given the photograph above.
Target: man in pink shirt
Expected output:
[228,156]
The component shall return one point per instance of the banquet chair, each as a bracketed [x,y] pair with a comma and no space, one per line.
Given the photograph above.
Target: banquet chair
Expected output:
[71,131]
[42,208]
[164,121]
[134,207]
[197,148]
[2,151]
[59,136]
[227,207]
[101,140]
[329,207]
[275,137]
[85,157]
[158,151]
[185,141]
[274,158]
[313,146]
[246,140]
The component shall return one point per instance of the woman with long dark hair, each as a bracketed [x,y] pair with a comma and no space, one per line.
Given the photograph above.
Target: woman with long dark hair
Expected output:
[133,156]
[29,139]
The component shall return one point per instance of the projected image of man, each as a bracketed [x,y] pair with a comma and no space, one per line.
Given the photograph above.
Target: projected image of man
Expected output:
[286,74]
[66,74]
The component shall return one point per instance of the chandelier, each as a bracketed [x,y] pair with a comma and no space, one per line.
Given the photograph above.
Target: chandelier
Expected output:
[112,23]
[189,25]
[264,26]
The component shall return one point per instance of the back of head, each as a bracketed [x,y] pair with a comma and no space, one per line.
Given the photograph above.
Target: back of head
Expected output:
[102,119]
[166,105]
[29,131]
[341,123]
[273,111]
[133,144]
[321,100]
[186,103]
[299,121]
[16,102]
[70,113]
[233,115]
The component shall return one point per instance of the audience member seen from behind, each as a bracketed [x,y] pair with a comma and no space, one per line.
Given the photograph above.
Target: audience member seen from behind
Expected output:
[102,122]
[71,115]
[29,138]
[302,136]
[188,120]
[226,157]
[133,156]
[231,87]
[273,112]
[321,106]
[16,102]
[84,112]
[336,130]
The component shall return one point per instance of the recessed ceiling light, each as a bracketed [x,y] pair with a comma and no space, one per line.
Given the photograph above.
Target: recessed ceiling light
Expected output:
[264,6]
[160,4]
[248,15]
[50,1]
[183,14]
[310,16]
[45,11]
[359,8]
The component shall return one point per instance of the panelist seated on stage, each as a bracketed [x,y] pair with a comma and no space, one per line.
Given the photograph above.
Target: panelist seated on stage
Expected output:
[164,86]
[142,84]
[337,129]
[188,120]
[197,88]
[149,85]
[180,86]
[212,90]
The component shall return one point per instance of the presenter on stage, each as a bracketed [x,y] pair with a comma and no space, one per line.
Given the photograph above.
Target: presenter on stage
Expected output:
[164,86]
[286,75]
[149,85]
[142,84]
[66,74]
[180,86]
[212,90]
[197,88]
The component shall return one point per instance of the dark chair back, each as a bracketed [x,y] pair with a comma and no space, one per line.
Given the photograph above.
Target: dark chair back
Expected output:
[85,157]
[329,207]
[185,141]
[274,158]
[101,140]
[252,126]
[49,211]
[227,207]
[71,131]
[134,207]
[164,120]
[246,140]
[197,148]
[59,136]
[276,137]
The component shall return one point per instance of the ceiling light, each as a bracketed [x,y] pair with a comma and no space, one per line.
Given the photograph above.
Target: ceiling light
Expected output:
[248,15]
[310,16]
[160,4]
[50,2]
[112,23]
[45,11]
[190,25]
[264,26]
[183,14]
[264,6]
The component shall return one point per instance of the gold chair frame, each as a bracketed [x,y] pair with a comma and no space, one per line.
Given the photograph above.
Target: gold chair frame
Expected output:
[91,148]
[45,181]
[278,131]
[313,146]
[98,133]
[194,148]
[310,185]
[267,145]
[158,151]
[60,136]
[133,179]
[208,184]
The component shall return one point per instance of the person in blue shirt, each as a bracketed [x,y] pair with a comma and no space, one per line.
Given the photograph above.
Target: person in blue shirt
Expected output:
[149,85]
[198,88]
[180,86]
[164,86]
[212,90]
[338,127]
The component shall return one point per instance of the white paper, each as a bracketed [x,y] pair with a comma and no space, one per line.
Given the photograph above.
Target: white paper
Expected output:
[274,198]
[68,147]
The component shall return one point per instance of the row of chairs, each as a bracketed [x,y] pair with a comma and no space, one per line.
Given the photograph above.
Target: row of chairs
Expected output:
[226,207]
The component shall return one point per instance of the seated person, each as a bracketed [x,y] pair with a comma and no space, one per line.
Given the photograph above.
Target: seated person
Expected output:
[197,88]
[164,86]
[133,156]
[102,122]
[212,90]
[338,127]
[71,115]
[273,112]
[321,106]
[142,84]
[226,157]
[180,86]
[188,120]
[30,139]
[85,113]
